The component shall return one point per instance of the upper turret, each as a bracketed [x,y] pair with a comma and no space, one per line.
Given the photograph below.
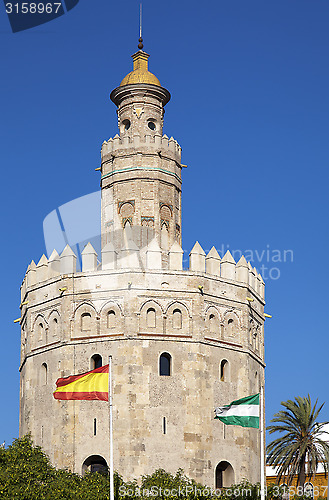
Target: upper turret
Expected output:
[141,167]
[140,100]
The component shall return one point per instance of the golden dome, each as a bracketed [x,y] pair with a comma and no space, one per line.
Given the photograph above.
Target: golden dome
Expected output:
[140,73]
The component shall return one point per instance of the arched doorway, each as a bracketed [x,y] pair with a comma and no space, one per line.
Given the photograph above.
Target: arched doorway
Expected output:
[224,475]
[95,463]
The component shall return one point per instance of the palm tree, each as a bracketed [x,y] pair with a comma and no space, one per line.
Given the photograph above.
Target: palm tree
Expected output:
[300,450]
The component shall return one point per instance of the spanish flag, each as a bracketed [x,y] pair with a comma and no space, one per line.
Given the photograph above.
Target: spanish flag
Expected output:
[89,385]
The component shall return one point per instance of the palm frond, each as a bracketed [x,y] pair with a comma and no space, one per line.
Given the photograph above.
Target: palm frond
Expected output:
[300,449]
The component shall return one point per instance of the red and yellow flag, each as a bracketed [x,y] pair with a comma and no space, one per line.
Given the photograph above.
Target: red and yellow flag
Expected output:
[89,385]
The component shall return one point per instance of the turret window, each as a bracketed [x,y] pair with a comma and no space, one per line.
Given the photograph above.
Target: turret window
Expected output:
[126,124]
[151,125]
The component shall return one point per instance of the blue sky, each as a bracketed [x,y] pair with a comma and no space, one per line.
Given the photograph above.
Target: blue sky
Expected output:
[249,81]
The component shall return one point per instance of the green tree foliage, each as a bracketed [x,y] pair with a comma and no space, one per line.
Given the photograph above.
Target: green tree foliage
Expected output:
[26,474]
[301,448]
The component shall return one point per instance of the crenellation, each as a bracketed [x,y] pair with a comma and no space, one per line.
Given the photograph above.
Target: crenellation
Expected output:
[227,266]
[153,255]
[136,140]
[54,264]
[242,270]
[213,262]
[129,255]
[165,141]
[89,258]
[261,286]
[24,286]
[148,143]
[157,140]
[31,274]
[256,281]
[176,257]
[68,261]
[42,269]
[172,145]
[198,258]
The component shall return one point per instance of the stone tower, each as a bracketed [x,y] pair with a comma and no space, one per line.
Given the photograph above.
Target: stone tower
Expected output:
[182,340]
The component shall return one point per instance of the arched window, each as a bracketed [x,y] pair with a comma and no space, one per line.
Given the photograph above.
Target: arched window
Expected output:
[111,319]
[165,364]
[86,322]
[213,323]
[95,463]
[55,327]
[177,319]
[44,374]
[150,318]
[224,475]
[230,327]
[40,330]
[96,362]
[224,370]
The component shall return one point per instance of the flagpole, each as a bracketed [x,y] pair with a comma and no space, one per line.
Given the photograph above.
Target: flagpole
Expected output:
[111,431]
[262,447]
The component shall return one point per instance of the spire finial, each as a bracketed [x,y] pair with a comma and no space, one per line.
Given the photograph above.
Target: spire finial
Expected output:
[140,45]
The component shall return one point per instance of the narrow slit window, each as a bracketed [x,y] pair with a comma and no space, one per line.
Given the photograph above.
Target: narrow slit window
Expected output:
[164,425]
[223,370]
[44,374]
[95,426]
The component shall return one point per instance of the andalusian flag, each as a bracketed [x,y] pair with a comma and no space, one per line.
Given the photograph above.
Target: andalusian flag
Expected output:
[244,412]
[90,385]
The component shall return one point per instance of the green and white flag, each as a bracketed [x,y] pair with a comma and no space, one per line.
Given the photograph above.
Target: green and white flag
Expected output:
[244,412]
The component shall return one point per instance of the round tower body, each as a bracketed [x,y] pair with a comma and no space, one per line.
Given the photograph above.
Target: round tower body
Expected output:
[182,341]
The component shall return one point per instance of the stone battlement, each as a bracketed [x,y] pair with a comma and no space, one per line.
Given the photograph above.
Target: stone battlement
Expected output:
[129,257]
[150,141]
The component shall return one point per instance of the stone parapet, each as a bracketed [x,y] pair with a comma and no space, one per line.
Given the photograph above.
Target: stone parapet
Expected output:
[141,143]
